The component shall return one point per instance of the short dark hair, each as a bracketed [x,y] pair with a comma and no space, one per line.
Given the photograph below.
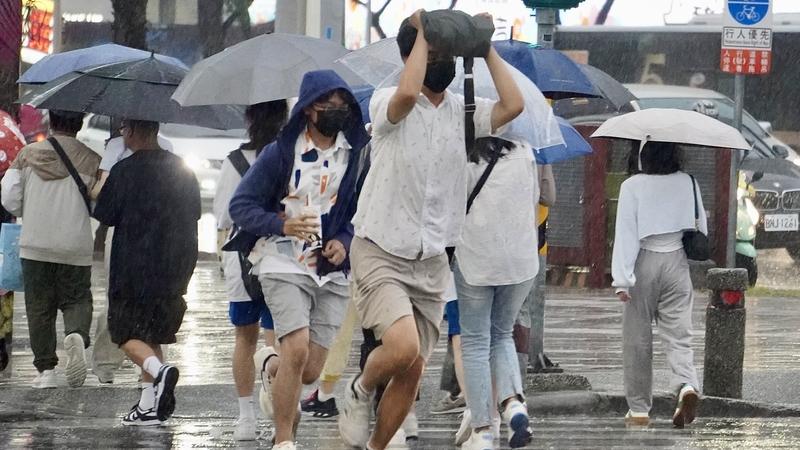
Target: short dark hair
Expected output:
[142,126]
[406,38]
[66,121]
[265,121]
[660,158]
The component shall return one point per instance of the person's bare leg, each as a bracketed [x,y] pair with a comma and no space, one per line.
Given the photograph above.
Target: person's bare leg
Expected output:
[315,362]
[243,371]
[139,351]
[287,385]
[399,351]
[396,403]
[269,339]
[458,362]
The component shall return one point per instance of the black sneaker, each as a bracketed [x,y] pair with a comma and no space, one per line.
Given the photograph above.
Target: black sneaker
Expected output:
[165,391]
[542,364]
[141,418]
[323,410]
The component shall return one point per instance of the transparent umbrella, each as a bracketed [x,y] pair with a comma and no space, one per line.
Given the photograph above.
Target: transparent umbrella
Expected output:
[380,65]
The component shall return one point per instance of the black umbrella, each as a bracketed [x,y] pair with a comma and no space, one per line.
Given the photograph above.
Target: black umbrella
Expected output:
[138,90]
[611,89]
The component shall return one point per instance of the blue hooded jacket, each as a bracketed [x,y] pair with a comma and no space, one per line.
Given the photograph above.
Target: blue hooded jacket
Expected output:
[256,205]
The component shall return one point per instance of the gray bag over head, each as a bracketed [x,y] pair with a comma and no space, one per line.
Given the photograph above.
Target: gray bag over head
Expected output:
[456,33]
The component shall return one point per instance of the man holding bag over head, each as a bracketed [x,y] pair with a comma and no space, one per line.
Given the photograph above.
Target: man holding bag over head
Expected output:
[412,207]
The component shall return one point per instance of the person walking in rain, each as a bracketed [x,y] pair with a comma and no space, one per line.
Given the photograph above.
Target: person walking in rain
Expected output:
[299,197]
[56,245]
[411,208]
[153,201]
[651,278]
[264,122]
[494,271]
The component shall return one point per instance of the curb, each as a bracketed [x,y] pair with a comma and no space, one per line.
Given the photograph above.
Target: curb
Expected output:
[596,403]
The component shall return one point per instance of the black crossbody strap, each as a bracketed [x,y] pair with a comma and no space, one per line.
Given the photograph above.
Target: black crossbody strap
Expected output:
[469,105]
[696,207]
[482,180]
[239,162]
[72,172]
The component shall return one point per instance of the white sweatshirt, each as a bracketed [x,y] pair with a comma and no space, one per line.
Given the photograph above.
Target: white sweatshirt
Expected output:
[649,206]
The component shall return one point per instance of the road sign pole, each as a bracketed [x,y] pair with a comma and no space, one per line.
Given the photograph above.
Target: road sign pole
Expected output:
[733,203]
[546,24]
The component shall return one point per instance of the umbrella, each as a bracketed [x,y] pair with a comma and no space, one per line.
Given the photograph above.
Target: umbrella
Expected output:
[264,68]
[59,64]
[673,125]
[611,89]
[553,72]
[138,90]
[380,65]
[775,166]
[574,145]
[11,141]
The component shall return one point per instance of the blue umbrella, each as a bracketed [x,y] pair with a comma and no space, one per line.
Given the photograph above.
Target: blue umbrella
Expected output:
[363,94]
[58,64]
[551,71]
[575,146]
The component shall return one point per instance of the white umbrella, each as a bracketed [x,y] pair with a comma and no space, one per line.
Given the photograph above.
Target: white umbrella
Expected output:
[266,67]
[673,125]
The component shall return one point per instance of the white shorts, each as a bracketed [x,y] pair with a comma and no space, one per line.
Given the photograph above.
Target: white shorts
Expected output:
[234,286]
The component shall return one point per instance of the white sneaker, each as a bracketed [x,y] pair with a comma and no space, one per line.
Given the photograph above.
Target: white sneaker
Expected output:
[245,429]
[37,380]
[354,416]
[285,445]
[47,380]
[519,430]
[479,441]
[260,359]
[398,440]
[76,360]
[465,430]
[411,425]
[686,411]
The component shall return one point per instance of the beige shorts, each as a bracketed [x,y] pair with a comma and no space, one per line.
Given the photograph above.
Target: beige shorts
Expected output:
[386,288]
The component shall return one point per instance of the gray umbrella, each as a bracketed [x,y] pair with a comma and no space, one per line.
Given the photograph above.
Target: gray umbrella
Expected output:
[138,90]
[264,68]
[611,89]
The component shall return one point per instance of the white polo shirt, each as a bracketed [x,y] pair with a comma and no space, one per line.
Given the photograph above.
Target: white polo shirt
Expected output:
[414,199]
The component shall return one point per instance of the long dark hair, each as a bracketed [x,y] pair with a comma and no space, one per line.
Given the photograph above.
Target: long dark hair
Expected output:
[265,122]
[488,148]
[661,158]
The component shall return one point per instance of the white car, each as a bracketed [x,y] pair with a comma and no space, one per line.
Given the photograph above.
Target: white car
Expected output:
[202,149]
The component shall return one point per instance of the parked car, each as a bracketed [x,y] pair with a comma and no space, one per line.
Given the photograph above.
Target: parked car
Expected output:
[777,195]
[202,149]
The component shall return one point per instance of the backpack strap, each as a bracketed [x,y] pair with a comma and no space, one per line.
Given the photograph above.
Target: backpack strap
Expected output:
[239,162]
[696,206]
[72,172]
[469,104]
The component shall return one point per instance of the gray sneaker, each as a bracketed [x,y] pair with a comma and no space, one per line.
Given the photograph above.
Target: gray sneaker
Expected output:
[449,405]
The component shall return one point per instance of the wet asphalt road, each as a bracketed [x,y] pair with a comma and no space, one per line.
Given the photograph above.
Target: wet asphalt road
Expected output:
[583,334]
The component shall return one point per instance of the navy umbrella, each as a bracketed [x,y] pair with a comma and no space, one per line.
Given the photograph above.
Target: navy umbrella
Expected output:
[59,64]
[551,71]
[139,90]
[611,89]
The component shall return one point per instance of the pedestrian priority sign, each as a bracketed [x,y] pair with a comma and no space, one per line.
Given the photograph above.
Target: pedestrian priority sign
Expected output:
[747,37]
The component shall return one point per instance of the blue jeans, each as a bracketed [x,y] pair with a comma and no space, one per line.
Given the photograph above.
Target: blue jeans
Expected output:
[487,323]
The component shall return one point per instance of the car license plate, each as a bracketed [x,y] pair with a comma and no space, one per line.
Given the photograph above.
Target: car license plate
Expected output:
[781,222]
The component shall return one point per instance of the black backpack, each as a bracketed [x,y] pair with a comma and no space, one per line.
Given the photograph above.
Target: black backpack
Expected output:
[251,283]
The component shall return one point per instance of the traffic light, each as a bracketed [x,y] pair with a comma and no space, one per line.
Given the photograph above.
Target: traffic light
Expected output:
[557,4]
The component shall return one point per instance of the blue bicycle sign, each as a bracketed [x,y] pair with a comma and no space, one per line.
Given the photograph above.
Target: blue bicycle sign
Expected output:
[748,12]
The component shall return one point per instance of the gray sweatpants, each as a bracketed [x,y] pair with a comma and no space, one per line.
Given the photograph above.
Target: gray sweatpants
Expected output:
[663,293]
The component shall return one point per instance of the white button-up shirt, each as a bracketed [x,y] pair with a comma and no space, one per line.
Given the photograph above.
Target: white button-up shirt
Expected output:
[414,199]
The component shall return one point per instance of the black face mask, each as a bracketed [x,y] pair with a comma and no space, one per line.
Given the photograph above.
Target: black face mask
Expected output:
[331,121]
[439,75]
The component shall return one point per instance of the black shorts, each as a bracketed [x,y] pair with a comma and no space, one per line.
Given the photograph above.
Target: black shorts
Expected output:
[155,321]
